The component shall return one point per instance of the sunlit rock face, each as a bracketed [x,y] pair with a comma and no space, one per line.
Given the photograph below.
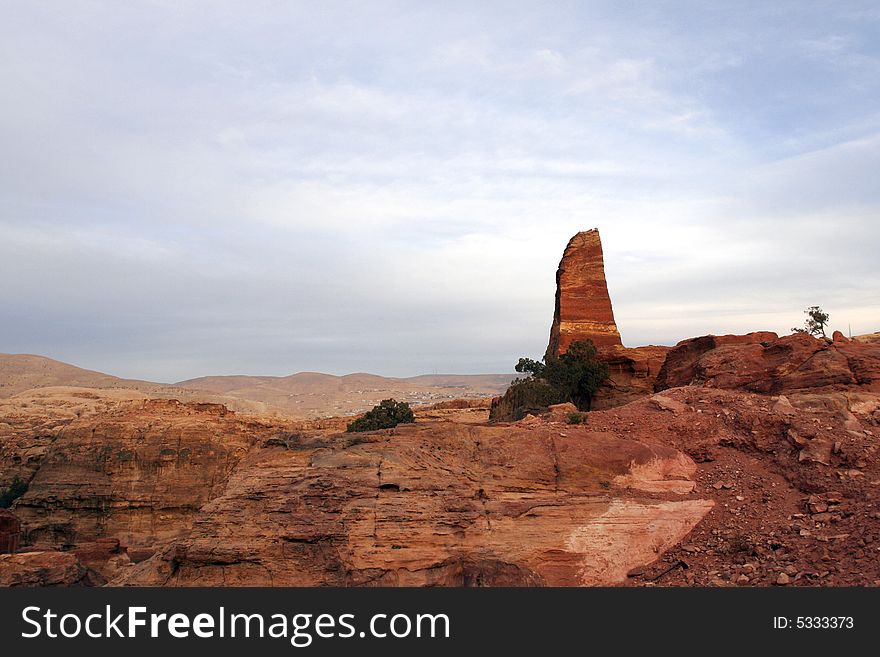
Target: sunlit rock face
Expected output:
[584,312]
[439,503]
[583,305]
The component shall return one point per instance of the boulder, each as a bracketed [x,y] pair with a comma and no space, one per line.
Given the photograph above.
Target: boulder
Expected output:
[561,412]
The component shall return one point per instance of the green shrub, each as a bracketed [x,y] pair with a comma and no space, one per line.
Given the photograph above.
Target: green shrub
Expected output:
[17,488]
[386,414]
[577,418]
[575,377]
[524,396]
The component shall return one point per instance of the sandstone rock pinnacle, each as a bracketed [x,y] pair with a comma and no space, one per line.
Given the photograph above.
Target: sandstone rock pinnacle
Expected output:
[583,306]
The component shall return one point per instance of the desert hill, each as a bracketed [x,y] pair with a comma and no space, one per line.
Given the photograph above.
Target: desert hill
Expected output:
[306,394]
[310,394]
[20,372]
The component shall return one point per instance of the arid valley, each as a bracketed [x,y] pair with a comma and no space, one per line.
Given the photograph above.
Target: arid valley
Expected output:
[734,460]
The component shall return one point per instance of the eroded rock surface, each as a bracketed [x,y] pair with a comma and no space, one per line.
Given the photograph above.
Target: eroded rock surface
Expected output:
[10,531]
[763,362]
[138,471]
[632,373]
[438,503]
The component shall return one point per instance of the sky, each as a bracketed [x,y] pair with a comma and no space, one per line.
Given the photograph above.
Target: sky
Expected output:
[194,188]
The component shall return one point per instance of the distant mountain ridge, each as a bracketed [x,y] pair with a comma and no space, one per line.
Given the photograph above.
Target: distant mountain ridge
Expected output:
[304,394]
[312,393]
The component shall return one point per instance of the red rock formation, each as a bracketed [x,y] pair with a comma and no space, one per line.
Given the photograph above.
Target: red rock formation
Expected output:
[583,307]
[10,528]
[138,472]
[765,363]
[863,358]
[631,374]
[792,479]
[680,365]
[538,502]
[439,503]
[583,312]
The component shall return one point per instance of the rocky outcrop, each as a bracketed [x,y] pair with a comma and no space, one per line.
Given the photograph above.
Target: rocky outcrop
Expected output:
[583,307]
[583,312]
[439,503]
[728,483]
[868,338]
[142,491]
[137,473]
[631,374]
[694,485]
[30,423]
[765,363]
[863,357]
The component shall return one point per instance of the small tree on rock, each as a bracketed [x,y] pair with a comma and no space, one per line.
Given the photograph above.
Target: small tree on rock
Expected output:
[817,320]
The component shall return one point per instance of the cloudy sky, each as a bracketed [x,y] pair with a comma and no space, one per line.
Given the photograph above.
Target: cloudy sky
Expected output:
[267,187]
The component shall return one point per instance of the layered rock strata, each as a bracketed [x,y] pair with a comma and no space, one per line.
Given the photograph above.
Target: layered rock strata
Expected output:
[439,503]
[138,473]
[583,306]
[583,311]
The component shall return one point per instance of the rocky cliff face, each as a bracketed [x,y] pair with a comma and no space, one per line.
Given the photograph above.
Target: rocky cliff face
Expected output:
[631,374]
[137,472]
[583,307]
[690,486]
[44,569]
[439,503]
[139,491]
